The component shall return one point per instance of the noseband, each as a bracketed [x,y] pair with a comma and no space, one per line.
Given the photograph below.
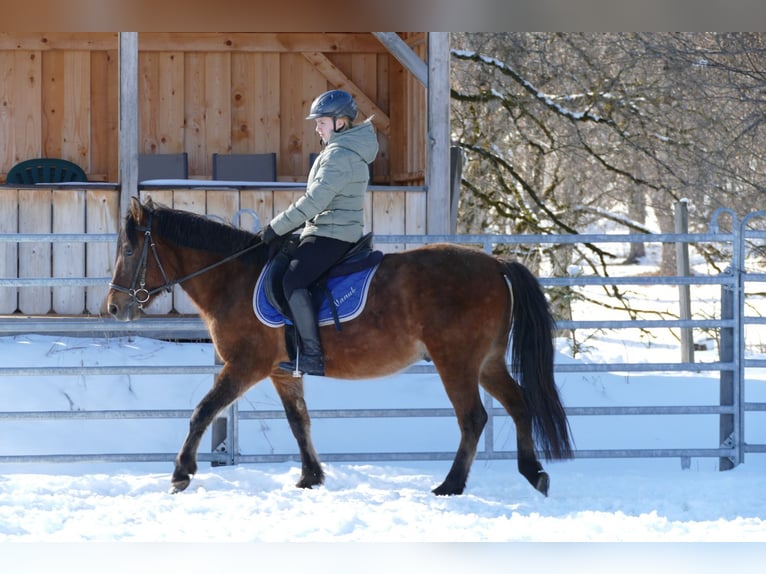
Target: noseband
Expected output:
[141,294]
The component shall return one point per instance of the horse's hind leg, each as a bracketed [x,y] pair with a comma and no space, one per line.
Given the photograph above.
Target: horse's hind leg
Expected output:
[462,390]
[290,390]
[499,383]
[223,393]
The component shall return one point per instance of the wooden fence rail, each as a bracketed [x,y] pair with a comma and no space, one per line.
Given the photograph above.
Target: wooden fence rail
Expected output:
[94,209]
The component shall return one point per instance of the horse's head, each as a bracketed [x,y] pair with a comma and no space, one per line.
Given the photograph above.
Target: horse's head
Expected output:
[138,274]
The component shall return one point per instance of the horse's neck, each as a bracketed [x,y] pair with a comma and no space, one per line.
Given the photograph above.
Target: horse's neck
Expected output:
[207,281]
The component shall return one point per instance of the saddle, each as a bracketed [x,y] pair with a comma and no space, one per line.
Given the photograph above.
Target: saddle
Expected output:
[358,258]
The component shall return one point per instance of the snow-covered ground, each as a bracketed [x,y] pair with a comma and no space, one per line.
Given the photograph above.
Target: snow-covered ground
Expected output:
[626,500]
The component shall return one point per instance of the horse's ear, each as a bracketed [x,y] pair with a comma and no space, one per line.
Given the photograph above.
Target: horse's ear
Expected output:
[135,208]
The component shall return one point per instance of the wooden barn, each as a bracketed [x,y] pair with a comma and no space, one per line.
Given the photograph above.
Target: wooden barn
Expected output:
[105,101]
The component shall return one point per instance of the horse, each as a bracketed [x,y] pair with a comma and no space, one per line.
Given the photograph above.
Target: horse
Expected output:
[453,305]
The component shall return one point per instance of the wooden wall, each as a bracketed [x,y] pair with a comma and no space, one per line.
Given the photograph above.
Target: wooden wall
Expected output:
[198,93]
[204,94]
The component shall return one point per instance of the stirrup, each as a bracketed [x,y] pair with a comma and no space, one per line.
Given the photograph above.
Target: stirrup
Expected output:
[294,367]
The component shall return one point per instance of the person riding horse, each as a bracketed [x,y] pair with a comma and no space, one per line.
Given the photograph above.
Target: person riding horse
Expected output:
[331,211]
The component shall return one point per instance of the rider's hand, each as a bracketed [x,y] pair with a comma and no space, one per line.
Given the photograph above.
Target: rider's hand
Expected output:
[268,235]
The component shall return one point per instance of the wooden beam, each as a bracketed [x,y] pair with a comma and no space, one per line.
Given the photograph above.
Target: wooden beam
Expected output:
[342,82]
[260,42]
[58,41]
[128,154]
[406,55]
[438,212]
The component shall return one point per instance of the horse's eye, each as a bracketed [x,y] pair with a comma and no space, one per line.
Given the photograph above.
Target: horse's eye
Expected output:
[127,251]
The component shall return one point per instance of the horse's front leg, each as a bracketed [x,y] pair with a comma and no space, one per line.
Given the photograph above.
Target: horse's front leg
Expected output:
[223,393]
[290,390]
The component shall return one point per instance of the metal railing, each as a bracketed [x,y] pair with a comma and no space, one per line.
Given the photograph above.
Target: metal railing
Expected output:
[226,445]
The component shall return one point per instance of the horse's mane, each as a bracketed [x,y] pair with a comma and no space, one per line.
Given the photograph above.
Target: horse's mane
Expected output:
[196,231]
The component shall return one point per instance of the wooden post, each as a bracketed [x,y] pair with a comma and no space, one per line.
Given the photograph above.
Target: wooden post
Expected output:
[438,140]
[128,138]
[684,291]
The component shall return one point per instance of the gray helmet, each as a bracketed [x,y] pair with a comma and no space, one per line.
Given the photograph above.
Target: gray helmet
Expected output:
[333,104]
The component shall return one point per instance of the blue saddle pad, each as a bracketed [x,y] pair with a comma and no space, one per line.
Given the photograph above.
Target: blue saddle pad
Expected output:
[349,292]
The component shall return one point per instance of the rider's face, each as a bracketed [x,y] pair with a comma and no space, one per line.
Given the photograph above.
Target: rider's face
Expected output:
[325,127]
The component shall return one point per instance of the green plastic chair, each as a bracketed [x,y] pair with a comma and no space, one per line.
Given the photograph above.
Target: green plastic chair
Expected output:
[45,170]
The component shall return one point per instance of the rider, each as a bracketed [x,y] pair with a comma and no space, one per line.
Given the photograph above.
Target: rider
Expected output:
[332,212]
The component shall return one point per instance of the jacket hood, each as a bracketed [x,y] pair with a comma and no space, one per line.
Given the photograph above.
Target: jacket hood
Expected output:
[360,139]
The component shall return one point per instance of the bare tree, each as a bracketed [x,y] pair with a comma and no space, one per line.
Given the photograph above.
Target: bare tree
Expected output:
[562,131]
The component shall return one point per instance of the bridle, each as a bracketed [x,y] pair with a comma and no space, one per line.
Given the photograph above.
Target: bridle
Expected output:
[141,294]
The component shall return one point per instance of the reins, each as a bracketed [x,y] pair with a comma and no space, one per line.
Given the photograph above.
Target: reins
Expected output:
[142,294]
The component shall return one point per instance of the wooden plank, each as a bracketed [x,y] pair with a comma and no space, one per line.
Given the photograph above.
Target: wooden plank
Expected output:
[300,83]
[104,96]
[382,164]
[7,83]
[340,81]
[162,304]
[102,208]
[259,201]
[66,106]
[415,215]
[397,147]
[255,120]
[170,120]
[194,113]
[188,200]
[222,204]
[75,144]
[53,103]
[259,42]
[9,223]
[388,210]
[22,127]
[243,108]
[149,102]
[217,107]
[49,41]
[35,257]
[68,256]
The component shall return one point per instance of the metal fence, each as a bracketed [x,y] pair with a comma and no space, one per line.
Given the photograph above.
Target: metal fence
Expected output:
[730,326]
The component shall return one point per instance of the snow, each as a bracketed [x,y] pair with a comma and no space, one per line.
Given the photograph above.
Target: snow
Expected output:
[590,500]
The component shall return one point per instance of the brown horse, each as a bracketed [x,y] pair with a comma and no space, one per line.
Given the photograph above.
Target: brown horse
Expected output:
[442,302]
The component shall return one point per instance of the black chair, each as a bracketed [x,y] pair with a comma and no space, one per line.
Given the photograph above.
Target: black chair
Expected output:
[163,166]
[245,167]
[45,170]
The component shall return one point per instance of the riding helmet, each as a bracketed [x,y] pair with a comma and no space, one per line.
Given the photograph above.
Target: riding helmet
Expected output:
[333,104]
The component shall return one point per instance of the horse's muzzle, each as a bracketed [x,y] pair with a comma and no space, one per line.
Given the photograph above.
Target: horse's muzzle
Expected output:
[122,310]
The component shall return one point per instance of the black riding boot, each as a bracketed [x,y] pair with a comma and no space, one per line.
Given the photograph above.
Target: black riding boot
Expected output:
[310,359]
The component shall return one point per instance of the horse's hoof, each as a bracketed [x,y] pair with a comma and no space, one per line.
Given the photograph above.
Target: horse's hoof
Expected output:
[310,481]
[446,490]
[179,485]
[543,483]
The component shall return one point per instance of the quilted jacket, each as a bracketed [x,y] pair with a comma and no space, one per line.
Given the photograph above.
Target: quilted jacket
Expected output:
[333,205]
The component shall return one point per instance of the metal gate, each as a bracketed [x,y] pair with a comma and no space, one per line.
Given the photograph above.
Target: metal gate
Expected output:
[732,365]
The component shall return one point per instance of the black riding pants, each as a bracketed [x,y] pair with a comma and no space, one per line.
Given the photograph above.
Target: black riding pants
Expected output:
[313,256]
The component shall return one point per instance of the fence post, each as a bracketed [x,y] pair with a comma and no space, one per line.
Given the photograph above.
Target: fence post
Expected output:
[683,269]
[726,354]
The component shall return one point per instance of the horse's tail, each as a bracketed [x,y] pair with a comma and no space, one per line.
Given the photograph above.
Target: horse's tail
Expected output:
[532,362]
